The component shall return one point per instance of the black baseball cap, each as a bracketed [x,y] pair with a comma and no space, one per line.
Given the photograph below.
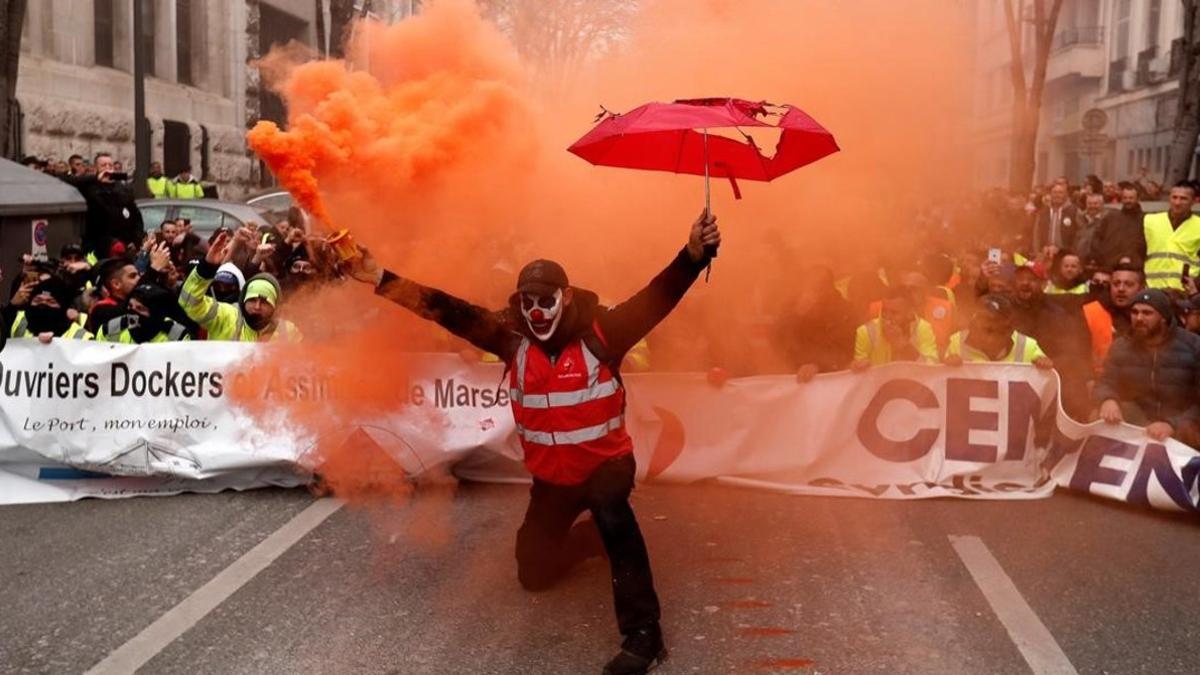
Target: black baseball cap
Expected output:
[542,277]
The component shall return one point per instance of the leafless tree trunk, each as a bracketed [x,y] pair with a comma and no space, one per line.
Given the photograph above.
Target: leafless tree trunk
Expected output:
[12,18]
[1027,92]
[1187,119]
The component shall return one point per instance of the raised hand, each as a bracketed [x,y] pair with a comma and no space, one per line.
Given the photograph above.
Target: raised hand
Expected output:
[704,233]
[219,250]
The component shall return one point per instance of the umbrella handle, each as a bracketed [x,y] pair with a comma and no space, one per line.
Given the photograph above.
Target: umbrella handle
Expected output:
[709,249]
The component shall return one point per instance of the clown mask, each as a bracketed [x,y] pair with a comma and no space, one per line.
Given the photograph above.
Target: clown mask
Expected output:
[542,313]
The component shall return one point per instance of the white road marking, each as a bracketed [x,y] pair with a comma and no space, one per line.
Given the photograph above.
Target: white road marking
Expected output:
[1028,633]
[154,638]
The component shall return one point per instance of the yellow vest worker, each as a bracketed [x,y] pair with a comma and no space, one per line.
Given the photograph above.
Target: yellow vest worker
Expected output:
[637,359]
[871,345]
[20,329]
[119,330]
[1024,350]
[1078,289]
[159,187]
[225,321]
[186,189]
[1168,249]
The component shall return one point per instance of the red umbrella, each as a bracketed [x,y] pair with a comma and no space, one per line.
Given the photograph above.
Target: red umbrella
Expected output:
[674,137]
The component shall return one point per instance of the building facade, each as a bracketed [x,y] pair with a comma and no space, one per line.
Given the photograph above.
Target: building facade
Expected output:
[75,83]
[1121,57]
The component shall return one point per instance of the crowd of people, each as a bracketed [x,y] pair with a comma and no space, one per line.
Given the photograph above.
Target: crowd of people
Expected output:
[1084,283]
[122,284]
[1076,278]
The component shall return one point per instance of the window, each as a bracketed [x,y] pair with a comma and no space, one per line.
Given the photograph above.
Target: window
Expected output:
[1121,30]
[183,41]
[1129,170]
[152,215]
[1153,17]
[205,220]
[177,147]
[148,19]
[102,15]
[1158,158]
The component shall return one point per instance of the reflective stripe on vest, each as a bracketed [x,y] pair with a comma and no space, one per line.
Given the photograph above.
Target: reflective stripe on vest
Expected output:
[595,390]
[1018,353]
[177,332]
[75,332]
[1168,249]
[573,437]
[20,327]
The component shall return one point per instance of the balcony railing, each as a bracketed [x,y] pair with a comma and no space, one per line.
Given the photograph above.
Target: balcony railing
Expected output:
[1078,35]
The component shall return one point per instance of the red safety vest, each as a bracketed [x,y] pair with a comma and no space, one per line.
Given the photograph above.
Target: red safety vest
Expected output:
[570,414]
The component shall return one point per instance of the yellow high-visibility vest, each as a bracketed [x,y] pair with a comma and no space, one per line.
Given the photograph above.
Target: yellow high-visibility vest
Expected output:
[1168,249]
[1024,350]
[158,186]
[871,345]
[185,190]
[20,329]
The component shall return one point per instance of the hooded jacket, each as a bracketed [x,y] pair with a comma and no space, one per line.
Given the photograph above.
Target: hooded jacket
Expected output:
[226,321]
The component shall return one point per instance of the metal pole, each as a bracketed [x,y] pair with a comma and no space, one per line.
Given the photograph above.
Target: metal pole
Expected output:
[141,126]
[707,202]
[712,252]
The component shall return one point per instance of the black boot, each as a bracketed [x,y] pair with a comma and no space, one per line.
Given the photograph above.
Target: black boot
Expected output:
[641,652]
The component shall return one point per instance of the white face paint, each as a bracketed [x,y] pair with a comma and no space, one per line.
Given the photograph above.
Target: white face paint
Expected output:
[542,313]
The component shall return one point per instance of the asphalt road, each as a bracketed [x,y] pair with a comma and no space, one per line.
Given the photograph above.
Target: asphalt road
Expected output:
[750,582]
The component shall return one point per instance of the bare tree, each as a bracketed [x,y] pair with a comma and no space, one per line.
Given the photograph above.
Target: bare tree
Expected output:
[1027,90]
[1187,119]
[12,18]
[558,37]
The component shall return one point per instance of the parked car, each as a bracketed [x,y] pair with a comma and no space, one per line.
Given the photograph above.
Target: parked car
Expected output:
[273,204]
[206,214]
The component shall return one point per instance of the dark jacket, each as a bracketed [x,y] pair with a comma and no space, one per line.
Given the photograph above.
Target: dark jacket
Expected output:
[1058,325]
[1163,382]
[1120,234]
[824,335]
[1067,230]
[112,215]
[500,332]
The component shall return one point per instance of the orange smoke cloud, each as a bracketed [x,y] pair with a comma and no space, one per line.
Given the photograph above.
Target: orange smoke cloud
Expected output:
[434,146]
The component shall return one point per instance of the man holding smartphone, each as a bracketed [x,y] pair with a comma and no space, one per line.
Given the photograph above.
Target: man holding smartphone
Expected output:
[112,214]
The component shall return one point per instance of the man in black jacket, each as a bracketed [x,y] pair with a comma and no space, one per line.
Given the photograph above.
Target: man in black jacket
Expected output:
[564,351]
[1058,325]
[112,213]
[1152,375]
[1120,234]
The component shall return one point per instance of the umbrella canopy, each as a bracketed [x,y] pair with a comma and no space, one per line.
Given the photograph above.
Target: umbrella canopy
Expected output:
[674,137]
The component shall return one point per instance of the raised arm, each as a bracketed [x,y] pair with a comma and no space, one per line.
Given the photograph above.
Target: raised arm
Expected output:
[631,320]
[483,328]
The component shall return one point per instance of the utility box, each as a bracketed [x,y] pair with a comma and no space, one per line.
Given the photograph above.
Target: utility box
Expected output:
[39,214]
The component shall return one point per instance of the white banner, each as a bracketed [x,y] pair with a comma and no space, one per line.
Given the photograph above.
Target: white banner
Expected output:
[88,419]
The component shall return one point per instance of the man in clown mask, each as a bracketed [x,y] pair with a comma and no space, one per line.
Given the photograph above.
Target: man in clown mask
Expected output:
[563,350]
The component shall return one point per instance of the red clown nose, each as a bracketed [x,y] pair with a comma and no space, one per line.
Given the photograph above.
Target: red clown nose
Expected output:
[537,315]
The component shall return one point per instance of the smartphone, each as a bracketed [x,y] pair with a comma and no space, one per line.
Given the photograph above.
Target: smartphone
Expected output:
[119,176]
[994,255]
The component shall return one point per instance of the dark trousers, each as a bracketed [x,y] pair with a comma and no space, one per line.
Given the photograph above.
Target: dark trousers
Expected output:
[548,546]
